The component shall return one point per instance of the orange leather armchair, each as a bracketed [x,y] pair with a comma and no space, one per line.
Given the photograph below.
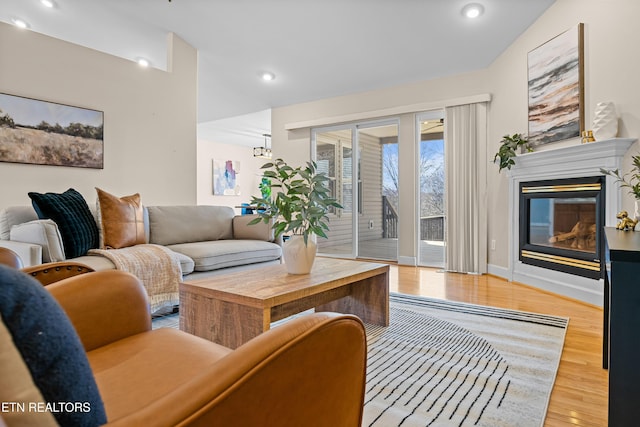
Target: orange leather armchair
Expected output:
[44,273]
[10,258]
[309,371]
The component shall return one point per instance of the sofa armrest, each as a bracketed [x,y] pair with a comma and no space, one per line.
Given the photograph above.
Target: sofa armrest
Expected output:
[42,232]
[260,231]
[29,253]
[309,370]
[104,306]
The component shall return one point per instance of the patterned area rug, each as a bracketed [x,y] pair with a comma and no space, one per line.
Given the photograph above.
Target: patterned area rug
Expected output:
[443,363]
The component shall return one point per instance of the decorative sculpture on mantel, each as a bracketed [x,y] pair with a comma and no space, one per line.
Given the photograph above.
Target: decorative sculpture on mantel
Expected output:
[625,222]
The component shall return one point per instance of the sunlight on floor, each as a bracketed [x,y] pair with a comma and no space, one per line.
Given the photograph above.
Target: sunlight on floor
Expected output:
[430,281]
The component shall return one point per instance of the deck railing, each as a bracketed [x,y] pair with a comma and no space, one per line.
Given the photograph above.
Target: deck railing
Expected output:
[432,228]
[389,220]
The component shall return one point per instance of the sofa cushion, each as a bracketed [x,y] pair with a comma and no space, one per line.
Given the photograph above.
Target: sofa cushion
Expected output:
[260,231]
[101,263]
[213,255]
[187,265]
[170,225]
[121,220]
[43,232]
[50,347]
[75,221]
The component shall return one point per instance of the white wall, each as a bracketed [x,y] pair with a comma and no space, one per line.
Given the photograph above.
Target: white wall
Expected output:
[611,73]
[149,117]
[248,178]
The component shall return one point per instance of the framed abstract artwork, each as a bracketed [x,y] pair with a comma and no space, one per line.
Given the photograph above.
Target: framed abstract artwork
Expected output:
[225,178]
[556,88]
[47,133]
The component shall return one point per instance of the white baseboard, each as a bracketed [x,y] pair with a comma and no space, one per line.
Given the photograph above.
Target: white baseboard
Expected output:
[496,270]
[568,285]
[575,287]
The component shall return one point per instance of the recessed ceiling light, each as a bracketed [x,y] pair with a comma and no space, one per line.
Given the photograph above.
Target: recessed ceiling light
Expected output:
[473,10]
[47,3]
[267,76]
[19,23]
[143,62]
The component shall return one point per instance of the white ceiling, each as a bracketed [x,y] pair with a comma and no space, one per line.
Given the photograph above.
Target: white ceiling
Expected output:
[316,48]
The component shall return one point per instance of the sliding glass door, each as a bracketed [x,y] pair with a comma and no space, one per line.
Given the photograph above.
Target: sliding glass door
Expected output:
[333,152]
[378,207]
[431,176]
[362,163]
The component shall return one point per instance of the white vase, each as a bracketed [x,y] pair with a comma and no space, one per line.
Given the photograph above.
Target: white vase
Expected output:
[636,214]
[298,257]
[605,121]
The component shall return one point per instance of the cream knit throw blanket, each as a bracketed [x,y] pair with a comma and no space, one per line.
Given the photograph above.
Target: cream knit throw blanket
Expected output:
[156,266]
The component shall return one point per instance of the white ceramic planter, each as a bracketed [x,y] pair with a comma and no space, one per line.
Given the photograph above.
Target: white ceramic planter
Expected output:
[298,258]
[605,121]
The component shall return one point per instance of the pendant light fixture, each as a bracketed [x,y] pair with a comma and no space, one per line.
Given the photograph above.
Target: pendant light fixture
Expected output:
[264,152]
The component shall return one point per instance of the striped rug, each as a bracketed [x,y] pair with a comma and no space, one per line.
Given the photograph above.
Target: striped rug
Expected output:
[443,363]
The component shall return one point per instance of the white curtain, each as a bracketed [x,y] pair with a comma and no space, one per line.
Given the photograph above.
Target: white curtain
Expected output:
[466,188]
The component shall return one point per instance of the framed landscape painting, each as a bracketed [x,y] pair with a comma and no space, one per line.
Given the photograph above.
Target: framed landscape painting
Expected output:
[556,88]
[46,133]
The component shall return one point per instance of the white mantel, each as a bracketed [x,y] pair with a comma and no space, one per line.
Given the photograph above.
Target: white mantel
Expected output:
[565,162]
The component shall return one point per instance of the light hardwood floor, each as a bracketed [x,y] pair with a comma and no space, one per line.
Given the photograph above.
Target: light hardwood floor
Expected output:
[579,396]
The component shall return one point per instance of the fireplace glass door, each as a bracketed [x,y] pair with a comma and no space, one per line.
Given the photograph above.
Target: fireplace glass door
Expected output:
[561,225]
[566,223]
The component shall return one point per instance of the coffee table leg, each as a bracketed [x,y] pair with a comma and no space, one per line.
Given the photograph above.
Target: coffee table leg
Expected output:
[225,323]
[368,299]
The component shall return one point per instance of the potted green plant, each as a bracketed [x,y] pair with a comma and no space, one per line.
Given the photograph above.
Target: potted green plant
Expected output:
[297,206]
[630,180]
[507,151]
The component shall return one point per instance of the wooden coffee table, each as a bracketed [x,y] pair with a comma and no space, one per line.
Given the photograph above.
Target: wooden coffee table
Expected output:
[231,309]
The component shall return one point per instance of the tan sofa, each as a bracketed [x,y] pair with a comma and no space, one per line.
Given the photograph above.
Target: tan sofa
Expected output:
[206,239]
[309,371]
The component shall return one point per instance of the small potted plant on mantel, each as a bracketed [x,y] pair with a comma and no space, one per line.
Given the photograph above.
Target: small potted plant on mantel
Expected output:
[507,151]
[297,206]
[630,180]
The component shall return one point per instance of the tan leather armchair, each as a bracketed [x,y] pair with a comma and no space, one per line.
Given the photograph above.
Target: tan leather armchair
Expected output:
[309,371]
[52,272]
[10,258]
[44,273]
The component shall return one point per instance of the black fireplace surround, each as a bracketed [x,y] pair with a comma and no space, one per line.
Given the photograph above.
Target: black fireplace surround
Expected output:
[561,225]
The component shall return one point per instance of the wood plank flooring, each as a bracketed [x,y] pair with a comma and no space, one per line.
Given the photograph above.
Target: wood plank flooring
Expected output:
[579,396]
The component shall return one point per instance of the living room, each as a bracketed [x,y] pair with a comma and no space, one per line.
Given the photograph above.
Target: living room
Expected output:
[151,115]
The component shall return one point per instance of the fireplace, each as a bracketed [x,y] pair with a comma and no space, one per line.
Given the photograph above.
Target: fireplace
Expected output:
[561,225]
[567,164]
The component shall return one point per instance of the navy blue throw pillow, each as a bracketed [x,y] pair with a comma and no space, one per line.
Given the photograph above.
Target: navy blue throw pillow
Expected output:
[75,221]
[51,349]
